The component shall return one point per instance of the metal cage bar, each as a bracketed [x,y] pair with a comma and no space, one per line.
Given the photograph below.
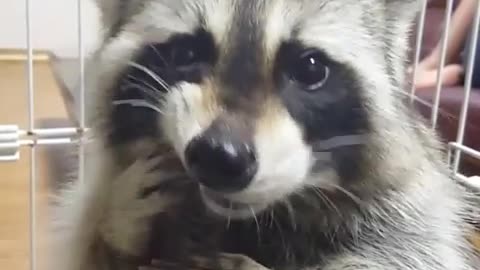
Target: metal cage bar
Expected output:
[468,88]
[441,65]
[82,122]
[418,48]
[31,126]
[457,148]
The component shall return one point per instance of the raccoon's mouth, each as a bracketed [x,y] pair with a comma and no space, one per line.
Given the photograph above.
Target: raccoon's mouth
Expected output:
[224,206]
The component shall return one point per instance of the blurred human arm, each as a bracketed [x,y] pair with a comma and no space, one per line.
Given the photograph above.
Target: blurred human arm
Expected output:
[460,26]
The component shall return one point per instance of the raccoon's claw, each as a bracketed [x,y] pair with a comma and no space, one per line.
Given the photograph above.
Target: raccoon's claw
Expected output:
[165,161]
[224,261]
[229,261]
[126,223]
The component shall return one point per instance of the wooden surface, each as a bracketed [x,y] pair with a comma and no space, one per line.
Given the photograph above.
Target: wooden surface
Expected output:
[14,176]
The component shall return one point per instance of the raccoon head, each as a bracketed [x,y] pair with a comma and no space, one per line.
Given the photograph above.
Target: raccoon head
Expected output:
[260,99]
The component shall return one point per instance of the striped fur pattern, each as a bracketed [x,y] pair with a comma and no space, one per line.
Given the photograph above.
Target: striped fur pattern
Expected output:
[346,175]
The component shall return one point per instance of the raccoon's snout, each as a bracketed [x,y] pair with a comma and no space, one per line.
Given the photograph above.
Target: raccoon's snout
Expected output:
[221,160]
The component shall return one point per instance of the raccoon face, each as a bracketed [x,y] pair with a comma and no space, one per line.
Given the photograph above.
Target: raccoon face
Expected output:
[259,99]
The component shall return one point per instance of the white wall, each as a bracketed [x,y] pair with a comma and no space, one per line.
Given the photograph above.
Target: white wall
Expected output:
[54,25]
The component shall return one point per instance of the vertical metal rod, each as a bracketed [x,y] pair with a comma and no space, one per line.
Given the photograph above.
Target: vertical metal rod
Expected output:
[30,83]
[81,56]
[468,87]
[33,209]
[418,47]
[438,90]
[31,126]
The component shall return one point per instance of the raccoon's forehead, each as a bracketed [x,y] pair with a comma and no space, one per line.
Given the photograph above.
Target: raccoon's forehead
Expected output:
[331,25]
[351,32]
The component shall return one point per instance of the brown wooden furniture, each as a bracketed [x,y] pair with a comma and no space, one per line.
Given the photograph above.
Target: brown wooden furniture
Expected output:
[14,176]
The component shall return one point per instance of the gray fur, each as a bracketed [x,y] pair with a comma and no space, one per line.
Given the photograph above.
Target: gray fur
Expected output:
[402,210]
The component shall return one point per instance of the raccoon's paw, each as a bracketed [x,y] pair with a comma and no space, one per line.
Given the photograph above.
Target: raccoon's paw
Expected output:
[224,261]
[134,201]
[228,261]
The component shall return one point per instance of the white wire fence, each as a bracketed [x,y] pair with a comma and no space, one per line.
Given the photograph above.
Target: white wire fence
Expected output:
[12,138]
[456,148]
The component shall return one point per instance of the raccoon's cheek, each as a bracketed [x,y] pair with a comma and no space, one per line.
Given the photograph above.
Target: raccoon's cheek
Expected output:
[285,159]
[189,110]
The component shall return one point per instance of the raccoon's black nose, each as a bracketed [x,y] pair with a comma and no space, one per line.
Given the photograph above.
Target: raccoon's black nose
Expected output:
[221,162]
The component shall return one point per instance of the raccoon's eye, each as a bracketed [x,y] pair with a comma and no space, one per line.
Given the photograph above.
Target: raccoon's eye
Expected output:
[189,50]
[309,71]
[184,56]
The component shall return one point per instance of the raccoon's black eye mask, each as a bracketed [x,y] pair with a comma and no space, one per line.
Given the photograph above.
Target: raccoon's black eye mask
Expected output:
[157,67]
[183,57]
[190,57]
[321,94]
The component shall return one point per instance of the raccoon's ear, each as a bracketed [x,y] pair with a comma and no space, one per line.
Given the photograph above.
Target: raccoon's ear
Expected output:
[403,10]
[110,11]
[400,16]
[399,21]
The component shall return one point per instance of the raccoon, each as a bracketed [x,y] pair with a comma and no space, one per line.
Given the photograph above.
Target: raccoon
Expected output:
[268,134]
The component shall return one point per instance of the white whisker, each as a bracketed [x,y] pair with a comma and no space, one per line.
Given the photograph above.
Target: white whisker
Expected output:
[339,141]
[280,230]
[256,222]
[138,103]
[229,213]
[271,214]
[291,214]
[349,194]
[326,200]
[153,95]
[159,55]
[152,74]
[143,82]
